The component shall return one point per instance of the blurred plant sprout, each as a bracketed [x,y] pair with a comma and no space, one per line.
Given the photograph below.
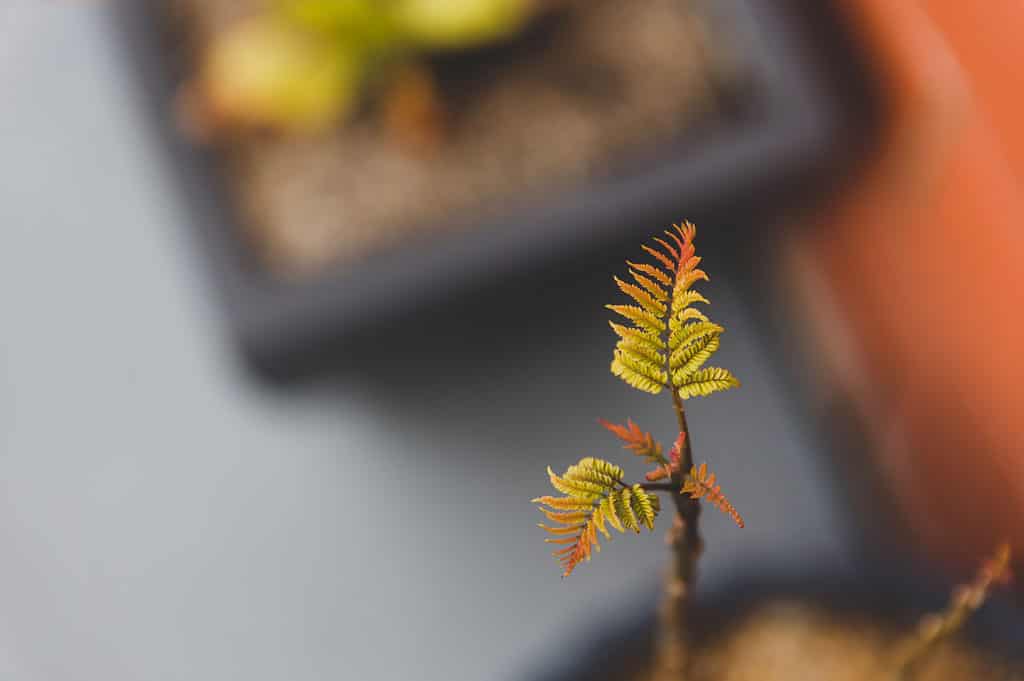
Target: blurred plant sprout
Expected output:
[966,600]
[303,66]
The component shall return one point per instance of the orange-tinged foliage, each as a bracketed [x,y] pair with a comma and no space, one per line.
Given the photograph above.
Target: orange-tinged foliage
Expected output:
[672,466]
[642,295]
[669,340]
[997,569]
[660,257]
[675,454]
[640,442]
[701,485]
[659,473]
[663,344]
[653,271]
[595,497]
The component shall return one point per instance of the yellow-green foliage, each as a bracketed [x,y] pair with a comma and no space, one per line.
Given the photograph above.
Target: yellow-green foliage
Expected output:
[304,65]
[410,24]
[595,498]
[669,340]
[265,73]
[665,345]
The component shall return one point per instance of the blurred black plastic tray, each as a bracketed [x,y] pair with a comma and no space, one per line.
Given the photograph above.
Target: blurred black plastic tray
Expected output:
[806,109]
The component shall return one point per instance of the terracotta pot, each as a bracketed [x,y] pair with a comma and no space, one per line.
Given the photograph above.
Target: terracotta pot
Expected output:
[913,277]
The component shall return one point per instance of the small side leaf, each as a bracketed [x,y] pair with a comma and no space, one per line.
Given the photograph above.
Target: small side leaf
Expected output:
[706,381]
[701,485]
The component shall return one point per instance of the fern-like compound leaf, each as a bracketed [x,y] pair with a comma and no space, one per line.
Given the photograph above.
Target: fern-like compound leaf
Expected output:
[640,442]
[649,302]
[689,277]
[691,357]
[685,336]
[596,498]
[651,286]
[672,466]
[646,506]
[562,516]
[639,335]
[664,342]
[606,513]
[624,506]
[642,318]
[706,381]
[699,484]
[653,272]
[669,339]
[578,489]
[666,261]
[564,503]
[637,373]
[686,299]
[643,352]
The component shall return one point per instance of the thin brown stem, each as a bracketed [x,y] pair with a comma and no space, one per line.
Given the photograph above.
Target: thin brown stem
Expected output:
[677,405]
[660,487]
[672,652]
[689,509]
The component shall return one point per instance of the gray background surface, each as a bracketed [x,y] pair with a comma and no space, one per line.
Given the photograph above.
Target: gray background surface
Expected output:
[162,516]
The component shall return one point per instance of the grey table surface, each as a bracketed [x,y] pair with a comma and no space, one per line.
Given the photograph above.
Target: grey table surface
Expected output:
[162,516]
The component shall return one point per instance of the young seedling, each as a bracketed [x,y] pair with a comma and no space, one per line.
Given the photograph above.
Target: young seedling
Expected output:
[303,66]
[966,599]
[663,347]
